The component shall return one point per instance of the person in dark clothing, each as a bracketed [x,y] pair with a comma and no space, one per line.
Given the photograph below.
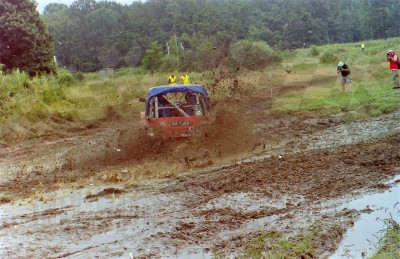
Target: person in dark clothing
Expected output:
[346,76]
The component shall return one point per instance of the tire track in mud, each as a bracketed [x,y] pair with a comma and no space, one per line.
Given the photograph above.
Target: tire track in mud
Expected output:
[222,208]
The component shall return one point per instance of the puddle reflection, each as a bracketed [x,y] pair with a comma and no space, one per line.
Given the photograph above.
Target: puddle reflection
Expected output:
[361,240]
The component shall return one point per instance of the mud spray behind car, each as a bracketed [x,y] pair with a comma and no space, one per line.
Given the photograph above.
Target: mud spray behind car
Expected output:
[175,111]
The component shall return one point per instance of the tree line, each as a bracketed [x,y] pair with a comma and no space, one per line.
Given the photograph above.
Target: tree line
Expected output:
[201,34]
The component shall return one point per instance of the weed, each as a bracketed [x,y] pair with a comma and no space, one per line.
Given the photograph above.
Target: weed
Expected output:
[274,245]
[6,199]
[389,244]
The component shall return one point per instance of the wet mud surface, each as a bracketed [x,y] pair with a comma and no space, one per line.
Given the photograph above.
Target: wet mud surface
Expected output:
[113,192]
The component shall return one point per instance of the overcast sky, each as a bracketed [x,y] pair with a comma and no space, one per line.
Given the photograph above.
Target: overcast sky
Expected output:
[43,3]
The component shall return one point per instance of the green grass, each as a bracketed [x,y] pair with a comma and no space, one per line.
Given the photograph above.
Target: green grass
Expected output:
[372,93]
[389,245]
[274,245]
[375,51]
[307,243]
[371,96]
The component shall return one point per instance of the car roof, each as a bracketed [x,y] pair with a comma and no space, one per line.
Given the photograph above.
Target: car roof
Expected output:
[164,89]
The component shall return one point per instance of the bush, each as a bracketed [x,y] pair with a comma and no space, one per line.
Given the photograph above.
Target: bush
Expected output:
[328,58]
[88,67]
[170,63]
[64,77]
[254,55]
[79,76]
[313,51]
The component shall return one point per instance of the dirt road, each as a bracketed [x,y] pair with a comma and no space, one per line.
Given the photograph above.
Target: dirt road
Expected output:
[109,193]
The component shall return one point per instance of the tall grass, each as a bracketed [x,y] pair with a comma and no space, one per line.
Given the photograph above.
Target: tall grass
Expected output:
[56,98]
[389,244]
[85,97]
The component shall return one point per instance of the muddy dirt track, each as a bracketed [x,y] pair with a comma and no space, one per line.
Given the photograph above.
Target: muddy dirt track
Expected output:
[111,192]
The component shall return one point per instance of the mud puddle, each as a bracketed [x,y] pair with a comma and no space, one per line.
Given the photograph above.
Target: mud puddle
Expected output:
[78,223]
[211,210]
[361,240]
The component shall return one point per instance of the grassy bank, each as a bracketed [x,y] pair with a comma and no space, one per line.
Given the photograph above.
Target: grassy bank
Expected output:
[389,245]
[371,93]
[89,98]
[305,244]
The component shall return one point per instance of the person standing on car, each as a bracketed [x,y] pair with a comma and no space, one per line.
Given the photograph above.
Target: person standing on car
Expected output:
[185,79]
[346,76]
[393,60]
[172,79]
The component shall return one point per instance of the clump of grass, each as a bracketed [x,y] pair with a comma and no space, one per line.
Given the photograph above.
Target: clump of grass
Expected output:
[328,58]
[274,245]
[6,199]
[65,78]
[10,86]
[306,244]
[389,245]
[304,67]
[314,51]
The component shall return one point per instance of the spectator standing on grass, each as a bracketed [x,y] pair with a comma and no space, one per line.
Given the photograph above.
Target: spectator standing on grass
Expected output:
[185,79]
[393,60]
[172,79]
[346,76]
[362,47]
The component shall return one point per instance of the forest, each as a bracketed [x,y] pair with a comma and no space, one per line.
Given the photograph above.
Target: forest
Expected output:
[193,34]
[196,35]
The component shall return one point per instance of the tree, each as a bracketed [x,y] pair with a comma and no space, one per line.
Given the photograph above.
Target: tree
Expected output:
[25,43]
[54,7]
[152,59]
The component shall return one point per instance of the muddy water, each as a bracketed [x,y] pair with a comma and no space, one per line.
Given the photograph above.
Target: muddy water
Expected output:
[144,222]
[116,223]
[361,240]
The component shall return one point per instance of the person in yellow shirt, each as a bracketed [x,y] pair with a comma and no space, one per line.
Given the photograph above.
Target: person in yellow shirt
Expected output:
[362,47]
[185,79]
[172,79]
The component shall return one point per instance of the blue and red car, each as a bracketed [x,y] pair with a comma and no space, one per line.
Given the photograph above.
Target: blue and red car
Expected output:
[175,110]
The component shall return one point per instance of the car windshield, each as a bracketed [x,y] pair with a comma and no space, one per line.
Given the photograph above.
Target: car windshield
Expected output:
[177,104]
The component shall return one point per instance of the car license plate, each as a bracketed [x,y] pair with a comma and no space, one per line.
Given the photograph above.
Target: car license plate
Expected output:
[179,123]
